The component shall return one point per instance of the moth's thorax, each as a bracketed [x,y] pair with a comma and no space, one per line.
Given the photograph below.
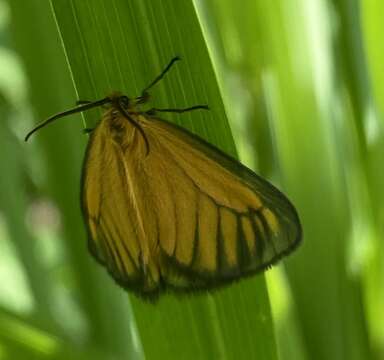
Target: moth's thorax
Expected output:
[119,128]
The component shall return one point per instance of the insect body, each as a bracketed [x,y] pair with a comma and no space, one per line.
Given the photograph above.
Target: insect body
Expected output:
[165,210]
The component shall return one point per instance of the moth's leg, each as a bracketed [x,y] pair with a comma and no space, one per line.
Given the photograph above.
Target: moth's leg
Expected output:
[144,94]
[153,111]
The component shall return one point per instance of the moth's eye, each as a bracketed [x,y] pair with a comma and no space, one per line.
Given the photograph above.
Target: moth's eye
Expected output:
[124,101]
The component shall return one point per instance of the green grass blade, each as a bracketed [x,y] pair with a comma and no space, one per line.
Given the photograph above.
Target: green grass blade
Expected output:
[123,46]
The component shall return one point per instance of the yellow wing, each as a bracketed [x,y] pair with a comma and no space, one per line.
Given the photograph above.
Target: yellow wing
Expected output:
[114,209]
[186,216]
[222,220]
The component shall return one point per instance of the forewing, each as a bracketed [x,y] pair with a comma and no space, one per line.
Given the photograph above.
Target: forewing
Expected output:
[114,208]
[217,220]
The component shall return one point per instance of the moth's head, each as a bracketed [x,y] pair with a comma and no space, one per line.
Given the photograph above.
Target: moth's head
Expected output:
[119,100]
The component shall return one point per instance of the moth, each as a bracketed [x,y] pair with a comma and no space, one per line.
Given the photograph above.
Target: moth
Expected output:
[167,211]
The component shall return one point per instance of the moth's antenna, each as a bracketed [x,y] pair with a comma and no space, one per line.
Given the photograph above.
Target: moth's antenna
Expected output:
[75,110]
[159,77]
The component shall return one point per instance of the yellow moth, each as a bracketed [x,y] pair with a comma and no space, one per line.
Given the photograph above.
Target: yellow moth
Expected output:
[165,210]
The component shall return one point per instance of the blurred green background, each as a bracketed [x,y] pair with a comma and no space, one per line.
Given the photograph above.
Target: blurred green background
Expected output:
[296,86]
